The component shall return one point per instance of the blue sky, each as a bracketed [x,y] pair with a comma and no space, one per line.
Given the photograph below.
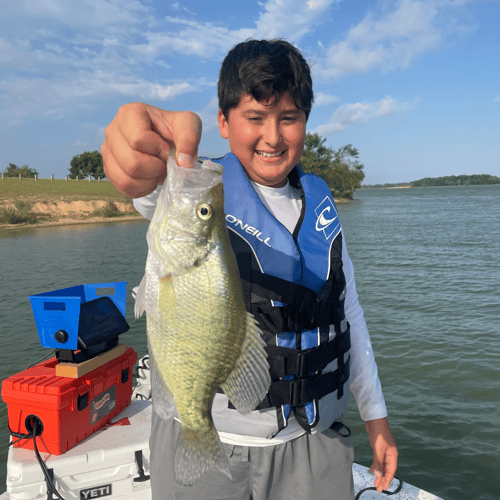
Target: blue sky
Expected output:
[414,85]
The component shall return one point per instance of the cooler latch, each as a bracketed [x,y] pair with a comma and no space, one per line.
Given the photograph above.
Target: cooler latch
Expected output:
[140,469]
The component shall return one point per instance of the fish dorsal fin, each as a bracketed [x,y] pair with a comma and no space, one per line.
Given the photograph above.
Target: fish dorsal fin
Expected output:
[140,298]
[249,381]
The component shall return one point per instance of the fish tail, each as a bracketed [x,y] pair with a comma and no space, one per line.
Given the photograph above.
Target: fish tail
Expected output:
[197,453]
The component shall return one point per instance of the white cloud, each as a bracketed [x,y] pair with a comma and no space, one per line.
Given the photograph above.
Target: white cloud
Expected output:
[203,40]
[322,99]
[208,114]
[453,3]
[291,19]
[55,99]
[150,90]
[78,51]
[497,98]
[177,6]
[349,114]
[84,50]
[57,37]
[384,43]
[16,54]
[93,14]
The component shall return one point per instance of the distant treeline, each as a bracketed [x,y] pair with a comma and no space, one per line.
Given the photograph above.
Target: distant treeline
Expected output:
[448,180]
[457,180]
[87,164]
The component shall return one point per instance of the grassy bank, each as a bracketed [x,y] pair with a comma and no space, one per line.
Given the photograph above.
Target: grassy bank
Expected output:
[45,190]
[43,202]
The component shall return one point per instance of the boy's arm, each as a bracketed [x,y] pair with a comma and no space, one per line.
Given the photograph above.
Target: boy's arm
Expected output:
[365,385]
[385,452]
[137,145]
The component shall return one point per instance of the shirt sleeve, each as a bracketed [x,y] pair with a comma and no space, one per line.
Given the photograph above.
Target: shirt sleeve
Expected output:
[365,384]
[147,204]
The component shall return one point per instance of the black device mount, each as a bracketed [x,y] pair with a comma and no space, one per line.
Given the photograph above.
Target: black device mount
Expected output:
[99,326]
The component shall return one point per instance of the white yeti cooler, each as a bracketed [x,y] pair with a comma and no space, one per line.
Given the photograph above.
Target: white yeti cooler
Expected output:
[112,463]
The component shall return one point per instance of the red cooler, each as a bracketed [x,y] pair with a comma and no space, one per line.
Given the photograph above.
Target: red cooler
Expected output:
[67,410]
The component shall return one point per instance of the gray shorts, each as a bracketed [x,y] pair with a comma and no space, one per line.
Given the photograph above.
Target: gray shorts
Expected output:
[317,466]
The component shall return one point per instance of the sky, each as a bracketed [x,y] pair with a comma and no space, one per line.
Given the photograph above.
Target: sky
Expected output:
[414,85]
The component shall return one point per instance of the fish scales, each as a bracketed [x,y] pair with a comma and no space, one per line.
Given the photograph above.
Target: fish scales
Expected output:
[200,336]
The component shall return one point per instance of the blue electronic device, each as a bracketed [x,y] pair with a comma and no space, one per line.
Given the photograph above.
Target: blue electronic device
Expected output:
[80,317]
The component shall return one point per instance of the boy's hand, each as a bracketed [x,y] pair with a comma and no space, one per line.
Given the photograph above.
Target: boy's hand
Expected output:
[137,144]
[385,453]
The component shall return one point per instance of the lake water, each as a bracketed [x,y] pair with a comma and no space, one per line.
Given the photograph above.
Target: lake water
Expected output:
[427,273]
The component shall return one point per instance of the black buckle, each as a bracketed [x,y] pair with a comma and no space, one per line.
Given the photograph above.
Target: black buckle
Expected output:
[291,321]
[296,364]
[302,360]
[303,391]
[280,365]
[295,392]
[315,310]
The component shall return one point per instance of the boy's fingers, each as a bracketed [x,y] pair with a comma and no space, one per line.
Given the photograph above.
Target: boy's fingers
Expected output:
[390,468]
[376,470]
[129,186]
[137,163]
[179,129]
[139,141]
[145,129]
[385,452]
[384,473]
[184,160]
[187,129]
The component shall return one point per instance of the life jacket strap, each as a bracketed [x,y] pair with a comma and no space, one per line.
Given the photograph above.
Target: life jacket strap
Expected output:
[305,309]
[297,392]
[274,288]
[300,363]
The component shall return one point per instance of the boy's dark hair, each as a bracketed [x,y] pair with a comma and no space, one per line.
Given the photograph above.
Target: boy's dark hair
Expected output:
[265,69]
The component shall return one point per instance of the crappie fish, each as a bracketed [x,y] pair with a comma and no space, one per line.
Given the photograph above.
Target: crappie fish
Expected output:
[200,336]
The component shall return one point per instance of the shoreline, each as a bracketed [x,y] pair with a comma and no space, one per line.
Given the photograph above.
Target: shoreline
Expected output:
[61,216]
[66,221]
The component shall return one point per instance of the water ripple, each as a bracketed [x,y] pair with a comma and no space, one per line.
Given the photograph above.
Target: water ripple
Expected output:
[427,276]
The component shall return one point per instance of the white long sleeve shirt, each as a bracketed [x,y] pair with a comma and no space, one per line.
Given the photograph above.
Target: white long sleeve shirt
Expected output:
[285,204]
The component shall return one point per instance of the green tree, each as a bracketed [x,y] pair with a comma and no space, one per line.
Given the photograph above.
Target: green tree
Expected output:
[86,164]
[347,171]
[316,157]
[340,169]
[13,171]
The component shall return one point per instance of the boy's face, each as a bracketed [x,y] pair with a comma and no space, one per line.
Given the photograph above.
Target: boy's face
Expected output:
[268,139]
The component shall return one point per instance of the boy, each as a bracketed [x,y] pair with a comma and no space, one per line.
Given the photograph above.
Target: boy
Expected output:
[297,280]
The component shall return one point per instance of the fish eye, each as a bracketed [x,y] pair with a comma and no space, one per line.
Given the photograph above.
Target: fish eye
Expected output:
[204,211]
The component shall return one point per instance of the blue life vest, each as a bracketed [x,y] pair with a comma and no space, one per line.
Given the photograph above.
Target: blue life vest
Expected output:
[295,287]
